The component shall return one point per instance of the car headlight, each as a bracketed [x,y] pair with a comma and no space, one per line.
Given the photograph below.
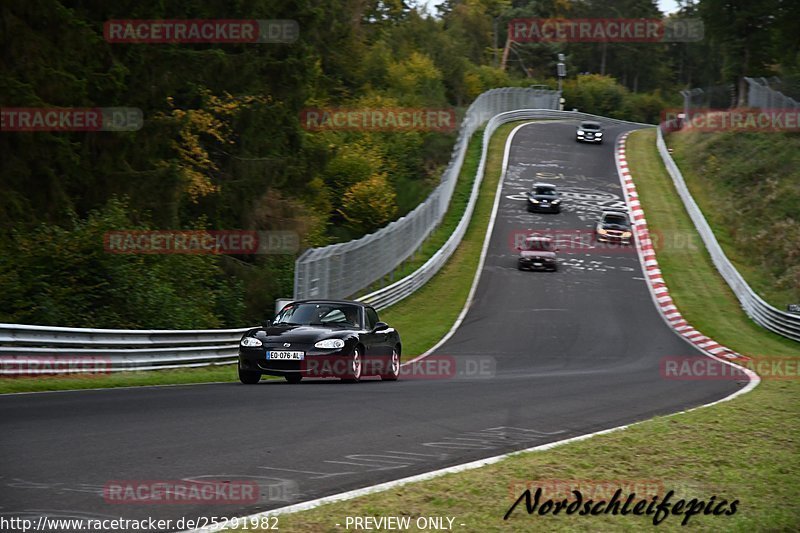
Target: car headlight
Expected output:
[601,231]
[250,342]
[330,343]
[626,233]
[556,201]
[598,134]
[534,200]
[580,132]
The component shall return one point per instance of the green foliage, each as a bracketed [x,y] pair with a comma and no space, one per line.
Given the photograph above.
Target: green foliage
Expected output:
[751,183]
[593,93]
[64,276]
[369,205]
[223,146]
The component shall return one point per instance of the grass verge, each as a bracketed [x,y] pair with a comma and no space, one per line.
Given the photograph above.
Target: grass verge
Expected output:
[178,376]
[745,449]
[737,178]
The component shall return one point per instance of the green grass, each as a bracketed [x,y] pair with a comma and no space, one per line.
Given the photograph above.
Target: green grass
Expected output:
[702,296]
[748,187]
[207,374]
[746,449]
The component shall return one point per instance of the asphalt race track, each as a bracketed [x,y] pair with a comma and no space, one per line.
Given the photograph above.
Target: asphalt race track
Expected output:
[541,356]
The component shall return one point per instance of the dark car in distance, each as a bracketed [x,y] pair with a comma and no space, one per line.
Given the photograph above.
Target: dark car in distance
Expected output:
[537,253]
[590,132]
[321,338]
[614,227]
[544,197]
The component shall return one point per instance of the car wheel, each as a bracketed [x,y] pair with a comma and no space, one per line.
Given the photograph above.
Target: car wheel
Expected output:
[354,364]
[249,377]
[394,367]
[293,378]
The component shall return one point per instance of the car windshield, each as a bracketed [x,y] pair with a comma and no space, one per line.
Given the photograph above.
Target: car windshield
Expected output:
[544,191]
[319,314]
[616,219]
[539,245]
[590,126]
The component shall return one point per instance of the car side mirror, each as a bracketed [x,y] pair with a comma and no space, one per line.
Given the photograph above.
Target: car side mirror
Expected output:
[380,326]
[266,323]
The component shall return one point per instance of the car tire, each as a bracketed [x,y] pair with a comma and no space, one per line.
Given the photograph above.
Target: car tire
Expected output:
[293,378]
[354,367]
[394,367]
[248,377]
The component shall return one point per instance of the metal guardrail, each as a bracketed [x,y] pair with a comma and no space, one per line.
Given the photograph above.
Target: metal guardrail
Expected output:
[114,350]
[757,309]
[26,349]
[342,270]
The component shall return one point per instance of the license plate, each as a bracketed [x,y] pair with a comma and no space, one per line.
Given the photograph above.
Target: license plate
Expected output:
[537,264]
[284,355]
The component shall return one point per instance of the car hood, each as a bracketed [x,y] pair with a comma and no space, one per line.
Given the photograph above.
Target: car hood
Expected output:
[533,254]
[299,334]
[616,227]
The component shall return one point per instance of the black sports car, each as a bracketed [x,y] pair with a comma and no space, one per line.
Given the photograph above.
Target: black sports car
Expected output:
[544,197]
[321,338]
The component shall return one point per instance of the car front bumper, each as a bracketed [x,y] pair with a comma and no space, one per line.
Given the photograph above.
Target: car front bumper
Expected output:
[584,139]
[614,239]
[315,364]
[533,264]
[551,208]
